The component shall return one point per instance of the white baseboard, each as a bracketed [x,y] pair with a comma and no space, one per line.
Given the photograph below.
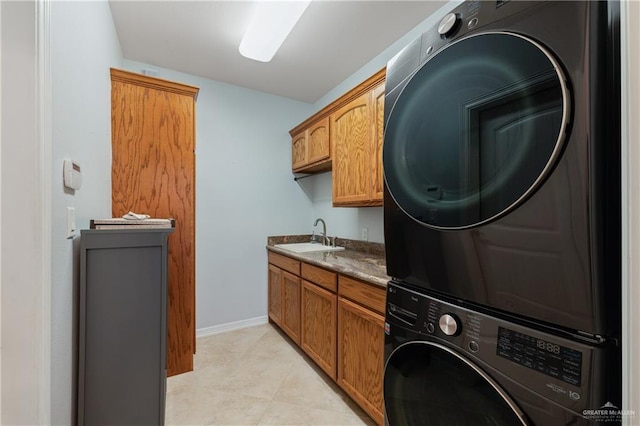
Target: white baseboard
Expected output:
[217,329]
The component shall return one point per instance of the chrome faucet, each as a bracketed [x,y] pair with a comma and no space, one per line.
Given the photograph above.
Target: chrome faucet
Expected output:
[325,240]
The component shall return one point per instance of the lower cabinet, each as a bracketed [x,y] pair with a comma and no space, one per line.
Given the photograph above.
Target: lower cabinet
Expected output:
[291,305]
[319,308]
[284,294]
[319,316]
[339,323]
[275,294]
[361,355]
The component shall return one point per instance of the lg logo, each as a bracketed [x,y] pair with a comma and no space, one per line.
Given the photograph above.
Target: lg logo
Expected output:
[574,395]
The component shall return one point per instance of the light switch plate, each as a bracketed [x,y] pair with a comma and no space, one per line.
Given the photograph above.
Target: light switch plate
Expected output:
[71,222]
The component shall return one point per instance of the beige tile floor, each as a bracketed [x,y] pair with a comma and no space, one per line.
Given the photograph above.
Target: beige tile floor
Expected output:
[256,376]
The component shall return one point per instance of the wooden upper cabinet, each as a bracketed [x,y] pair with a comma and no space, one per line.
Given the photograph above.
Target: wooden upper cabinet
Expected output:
[378,137]
[311,150]
[299,151]
[153,172]
[357,136]
[358,115]
[351,134]
[318,146]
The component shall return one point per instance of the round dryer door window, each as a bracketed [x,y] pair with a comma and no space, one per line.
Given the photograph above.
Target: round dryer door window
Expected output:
[476,130]
[428,384]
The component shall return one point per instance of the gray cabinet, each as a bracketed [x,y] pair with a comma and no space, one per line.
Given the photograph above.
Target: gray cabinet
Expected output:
[123,327]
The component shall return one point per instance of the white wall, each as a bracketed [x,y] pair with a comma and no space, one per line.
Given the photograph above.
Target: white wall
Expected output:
[344,221]
[84,46]
[244,193]
[21,262]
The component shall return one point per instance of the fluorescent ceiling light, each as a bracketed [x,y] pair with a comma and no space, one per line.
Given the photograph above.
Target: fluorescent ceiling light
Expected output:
[271,24]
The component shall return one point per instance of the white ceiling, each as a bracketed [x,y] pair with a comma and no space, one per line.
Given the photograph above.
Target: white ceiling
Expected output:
[332,40]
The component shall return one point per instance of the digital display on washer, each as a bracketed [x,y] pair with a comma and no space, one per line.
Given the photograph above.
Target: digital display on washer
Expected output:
[545,357]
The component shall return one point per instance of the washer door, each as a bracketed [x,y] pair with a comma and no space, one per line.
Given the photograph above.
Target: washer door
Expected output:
[428,384]
[476,130]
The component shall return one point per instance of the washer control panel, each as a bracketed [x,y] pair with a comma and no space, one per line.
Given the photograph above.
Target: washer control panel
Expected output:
[558,368]
[541,355]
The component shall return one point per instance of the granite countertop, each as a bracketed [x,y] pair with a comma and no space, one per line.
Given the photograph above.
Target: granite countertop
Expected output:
[360,259]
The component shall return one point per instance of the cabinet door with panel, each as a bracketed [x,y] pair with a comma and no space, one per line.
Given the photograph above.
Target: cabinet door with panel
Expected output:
[319,310]
[318,147]
[275,294]
[299,151]
[311,150]
[291,305]
[361,309]
[378,137]
[361,355]
[351,138]
[284,294]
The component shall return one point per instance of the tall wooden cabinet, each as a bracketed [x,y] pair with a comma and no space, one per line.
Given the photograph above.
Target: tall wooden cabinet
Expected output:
[153,172]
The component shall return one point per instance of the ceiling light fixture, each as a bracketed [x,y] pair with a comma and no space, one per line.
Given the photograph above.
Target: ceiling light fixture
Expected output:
[271,24]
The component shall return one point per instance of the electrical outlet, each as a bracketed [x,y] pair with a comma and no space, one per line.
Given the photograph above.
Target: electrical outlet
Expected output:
[364,235]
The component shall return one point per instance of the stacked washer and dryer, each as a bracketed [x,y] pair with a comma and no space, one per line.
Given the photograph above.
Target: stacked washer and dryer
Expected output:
[502,218]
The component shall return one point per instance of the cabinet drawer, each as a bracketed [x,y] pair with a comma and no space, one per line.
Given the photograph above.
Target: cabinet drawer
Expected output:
[369,295]
[285,263]
[319,276]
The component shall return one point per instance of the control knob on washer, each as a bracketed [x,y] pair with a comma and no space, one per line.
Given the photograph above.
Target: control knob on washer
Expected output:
[449,24]
[449,324]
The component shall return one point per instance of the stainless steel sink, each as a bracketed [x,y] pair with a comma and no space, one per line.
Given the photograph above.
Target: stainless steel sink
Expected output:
[307,247]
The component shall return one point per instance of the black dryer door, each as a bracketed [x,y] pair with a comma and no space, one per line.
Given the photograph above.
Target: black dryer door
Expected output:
[427,384]
[476,130]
